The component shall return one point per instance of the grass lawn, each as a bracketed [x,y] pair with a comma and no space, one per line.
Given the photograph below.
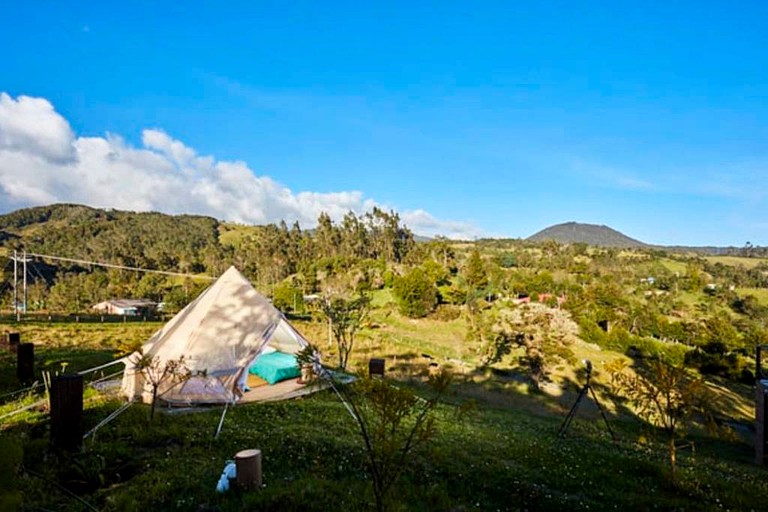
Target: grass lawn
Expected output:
[504,456]
[497,459]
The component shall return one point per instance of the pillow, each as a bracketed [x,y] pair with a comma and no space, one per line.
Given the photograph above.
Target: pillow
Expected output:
[276,366]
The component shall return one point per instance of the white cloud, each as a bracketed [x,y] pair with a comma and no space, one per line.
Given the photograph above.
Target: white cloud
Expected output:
[450,229]
[42,161]
[30,125]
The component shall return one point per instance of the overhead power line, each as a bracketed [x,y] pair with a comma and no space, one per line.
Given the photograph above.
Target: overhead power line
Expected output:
[120,267]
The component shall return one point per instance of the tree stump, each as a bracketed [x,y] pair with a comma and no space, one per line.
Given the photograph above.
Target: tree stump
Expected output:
[248,466]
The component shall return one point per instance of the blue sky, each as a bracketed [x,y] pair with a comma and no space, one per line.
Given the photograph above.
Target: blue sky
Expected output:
[493,119]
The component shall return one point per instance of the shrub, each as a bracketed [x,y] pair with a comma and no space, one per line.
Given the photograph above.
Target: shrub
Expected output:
[714,359]
[446,312]
[416,294]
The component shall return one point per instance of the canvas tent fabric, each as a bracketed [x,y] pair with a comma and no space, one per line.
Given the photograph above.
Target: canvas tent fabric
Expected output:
[219,334]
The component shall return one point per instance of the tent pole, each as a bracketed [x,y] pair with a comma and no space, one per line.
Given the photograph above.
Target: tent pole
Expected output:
[221,421]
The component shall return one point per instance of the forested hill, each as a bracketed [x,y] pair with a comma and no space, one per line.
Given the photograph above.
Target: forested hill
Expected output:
[590,234]
[181,243]
[186,243]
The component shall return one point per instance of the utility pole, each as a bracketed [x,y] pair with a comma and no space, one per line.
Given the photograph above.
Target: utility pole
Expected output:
[25,281]
[16,310]
[15,287]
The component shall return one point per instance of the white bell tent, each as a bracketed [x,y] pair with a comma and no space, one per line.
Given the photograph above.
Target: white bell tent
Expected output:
[219,335]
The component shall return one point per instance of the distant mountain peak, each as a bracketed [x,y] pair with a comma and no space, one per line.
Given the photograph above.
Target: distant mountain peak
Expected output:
[590,234]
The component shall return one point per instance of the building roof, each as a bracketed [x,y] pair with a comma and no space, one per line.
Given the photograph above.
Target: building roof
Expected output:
[128,303]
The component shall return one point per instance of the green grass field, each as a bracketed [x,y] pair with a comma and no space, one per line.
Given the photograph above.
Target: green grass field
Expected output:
[504,456]
[761,294]
[674,265]
[737,260]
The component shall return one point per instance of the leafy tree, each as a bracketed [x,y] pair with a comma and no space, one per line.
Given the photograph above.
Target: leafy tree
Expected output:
[287,297]
[159,373]
[178,297]
[720,329]
[441,251]
[474,274]
[416,293]
[475,279]
[545,335]
[506,260]
[663,394]
[151,286]
[437,273]
[346,317]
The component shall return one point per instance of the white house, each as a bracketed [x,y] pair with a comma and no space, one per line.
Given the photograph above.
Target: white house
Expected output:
[126,307]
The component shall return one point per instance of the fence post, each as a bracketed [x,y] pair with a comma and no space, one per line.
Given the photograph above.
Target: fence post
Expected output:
[376,367]
[25,362]
[67,411]
[761,432]
[14,339]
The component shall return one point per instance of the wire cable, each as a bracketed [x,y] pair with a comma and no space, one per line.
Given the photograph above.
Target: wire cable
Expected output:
[119,267]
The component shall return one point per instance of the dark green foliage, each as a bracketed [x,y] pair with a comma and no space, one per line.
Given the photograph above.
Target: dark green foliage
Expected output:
[416,293]
[506,260]
[475,275]
[187,244]
[714,358]
[287,297]
[10,463]
[748,306]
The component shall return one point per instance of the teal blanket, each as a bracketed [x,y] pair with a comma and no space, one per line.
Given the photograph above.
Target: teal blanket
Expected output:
[276,366]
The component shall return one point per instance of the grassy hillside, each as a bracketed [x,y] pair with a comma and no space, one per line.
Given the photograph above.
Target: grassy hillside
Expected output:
[504,456]
[738,261]
[575,301]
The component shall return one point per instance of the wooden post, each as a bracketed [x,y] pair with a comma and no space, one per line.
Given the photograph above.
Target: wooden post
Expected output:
[760,423]
[761,432]
[25,362]
[376,367]
[248,467]
[67,411]
[14,339]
